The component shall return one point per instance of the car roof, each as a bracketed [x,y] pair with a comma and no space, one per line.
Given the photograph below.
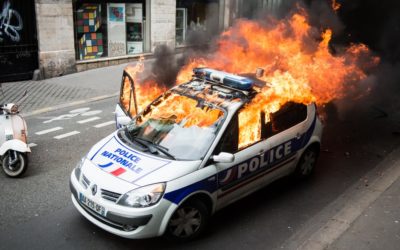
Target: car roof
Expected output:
[219,88]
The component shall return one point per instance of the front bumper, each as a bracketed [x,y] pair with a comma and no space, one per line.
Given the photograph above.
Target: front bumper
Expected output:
[134,223]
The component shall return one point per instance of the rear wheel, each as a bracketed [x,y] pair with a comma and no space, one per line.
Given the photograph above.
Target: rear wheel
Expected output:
[188,221]
[16,165]
[307,163]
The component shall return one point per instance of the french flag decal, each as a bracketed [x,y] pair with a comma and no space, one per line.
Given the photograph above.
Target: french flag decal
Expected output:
[114,170]
[118,171]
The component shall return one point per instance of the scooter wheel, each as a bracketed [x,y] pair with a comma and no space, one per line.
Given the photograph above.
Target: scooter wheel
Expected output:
[16,169]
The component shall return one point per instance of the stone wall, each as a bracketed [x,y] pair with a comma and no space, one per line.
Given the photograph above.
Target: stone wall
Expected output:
[55,29]
[162,23]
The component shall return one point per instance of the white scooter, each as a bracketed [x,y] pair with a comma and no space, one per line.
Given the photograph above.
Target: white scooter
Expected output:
[13,140]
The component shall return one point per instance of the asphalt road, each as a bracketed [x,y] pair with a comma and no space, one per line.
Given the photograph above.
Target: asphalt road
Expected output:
[36,211]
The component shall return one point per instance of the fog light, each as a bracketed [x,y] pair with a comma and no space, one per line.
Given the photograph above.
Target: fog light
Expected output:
[128,228]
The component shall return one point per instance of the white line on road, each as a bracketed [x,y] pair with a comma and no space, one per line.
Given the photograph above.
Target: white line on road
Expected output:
[48,130]
[58,137]
[104,124]
[31,145]
[88,120]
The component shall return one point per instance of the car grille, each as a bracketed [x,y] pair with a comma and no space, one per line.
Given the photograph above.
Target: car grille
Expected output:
[108,195]
[85,181]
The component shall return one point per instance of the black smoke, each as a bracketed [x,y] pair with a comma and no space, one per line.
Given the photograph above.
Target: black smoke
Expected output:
[165,67]
[374,23]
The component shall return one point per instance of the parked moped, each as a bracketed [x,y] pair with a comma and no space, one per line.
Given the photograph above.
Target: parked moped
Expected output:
[13,140]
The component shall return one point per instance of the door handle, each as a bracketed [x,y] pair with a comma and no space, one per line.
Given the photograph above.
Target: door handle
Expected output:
[298,136]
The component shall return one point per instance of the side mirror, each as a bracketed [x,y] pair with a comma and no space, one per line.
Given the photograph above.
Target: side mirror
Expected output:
[224,157]
[123,121]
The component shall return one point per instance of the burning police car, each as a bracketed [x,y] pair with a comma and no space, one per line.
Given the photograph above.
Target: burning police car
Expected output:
[186,155]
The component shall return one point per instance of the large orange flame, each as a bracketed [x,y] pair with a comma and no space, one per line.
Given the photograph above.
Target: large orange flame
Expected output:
[298,62]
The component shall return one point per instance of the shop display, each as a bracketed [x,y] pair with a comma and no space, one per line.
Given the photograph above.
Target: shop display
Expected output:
[88,18]
[91,46]
[116,29]
[88,22]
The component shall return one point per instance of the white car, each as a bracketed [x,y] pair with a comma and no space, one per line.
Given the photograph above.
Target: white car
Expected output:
[183,158]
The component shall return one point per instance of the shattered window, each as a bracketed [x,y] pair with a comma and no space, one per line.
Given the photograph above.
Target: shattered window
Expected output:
[182,126]
[126,97]
[286,117]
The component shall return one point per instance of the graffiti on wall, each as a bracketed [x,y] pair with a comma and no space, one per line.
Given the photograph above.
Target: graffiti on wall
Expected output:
[10,23]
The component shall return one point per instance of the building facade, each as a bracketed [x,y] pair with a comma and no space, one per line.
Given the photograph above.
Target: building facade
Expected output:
[58,37]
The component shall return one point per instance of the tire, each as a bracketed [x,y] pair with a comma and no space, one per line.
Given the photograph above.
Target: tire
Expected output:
[188,221]
[306,165]
[18,168]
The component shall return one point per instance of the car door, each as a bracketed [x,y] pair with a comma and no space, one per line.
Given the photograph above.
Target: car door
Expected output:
[246,172]
[285,133]
[127,107]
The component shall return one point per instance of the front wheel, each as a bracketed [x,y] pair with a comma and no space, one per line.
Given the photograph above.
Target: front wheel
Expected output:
[188,221]
[16,165]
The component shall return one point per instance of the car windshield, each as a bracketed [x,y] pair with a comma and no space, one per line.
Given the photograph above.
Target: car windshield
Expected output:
[177,127]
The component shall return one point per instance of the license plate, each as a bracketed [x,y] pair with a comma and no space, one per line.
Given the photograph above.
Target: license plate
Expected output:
[92,205]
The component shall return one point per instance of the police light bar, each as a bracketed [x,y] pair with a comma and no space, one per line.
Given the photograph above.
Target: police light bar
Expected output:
[230,80]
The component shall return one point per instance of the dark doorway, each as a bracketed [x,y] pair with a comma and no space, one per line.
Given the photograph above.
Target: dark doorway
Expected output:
[18,40]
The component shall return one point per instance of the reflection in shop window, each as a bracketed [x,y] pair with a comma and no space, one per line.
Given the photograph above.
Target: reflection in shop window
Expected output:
[196,18]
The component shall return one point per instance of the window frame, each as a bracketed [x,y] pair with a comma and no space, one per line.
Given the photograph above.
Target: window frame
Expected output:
[132,95]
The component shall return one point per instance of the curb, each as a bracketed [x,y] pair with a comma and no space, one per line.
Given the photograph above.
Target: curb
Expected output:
[319,233]
[70,104]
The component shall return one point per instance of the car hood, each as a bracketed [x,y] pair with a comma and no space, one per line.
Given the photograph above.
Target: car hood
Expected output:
[118,159]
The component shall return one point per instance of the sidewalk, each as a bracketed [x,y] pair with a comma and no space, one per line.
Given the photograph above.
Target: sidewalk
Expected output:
[378,227]
[366,216]
[68,90]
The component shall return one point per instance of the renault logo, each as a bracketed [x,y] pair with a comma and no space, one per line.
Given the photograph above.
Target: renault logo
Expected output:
[94,189]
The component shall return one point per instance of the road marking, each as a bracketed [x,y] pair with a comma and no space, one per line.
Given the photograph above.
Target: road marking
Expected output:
[79,111]
[92,112]
[104,124]
[31,145]
[74,113]
[48,130]
[88,120]
[58,137]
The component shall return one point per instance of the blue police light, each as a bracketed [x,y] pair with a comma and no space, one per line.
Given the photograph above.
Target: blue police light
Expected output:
[234,81]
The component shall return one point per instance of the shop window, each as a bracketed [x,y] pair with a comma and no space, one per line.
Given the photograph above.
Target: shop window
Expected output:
[109,28]
[196,19]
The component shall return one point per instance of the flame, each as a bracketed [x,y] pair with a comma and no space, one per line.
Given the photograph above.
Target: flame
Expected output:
[298,61]
[184,110]
[145,91]
[335,5]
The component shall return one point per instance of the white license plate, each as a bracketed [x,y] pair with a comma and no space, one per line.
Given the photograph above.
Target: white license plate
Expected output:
[92,205]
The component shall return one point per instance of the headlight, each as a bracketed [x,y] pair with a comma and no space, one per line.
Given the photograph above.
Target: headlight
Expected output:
[78,168]
[143,197]
[14,109]
[11,108]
